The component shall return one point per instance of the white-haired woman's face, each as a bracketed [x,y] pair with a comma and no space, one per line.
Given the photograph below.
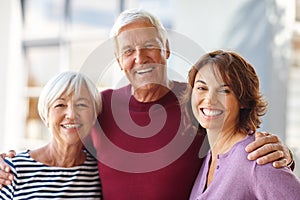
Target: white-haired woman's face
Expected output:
[71,117]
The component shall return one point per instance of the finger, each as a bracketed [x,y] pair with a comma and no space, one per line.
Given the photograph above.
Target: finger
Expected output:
[265,150]
[287,154]
[11,153]
[3,166]
[3,155]
[280,163]
[262,134]
[271,157]
[260,141]
[5,182]
[5,178]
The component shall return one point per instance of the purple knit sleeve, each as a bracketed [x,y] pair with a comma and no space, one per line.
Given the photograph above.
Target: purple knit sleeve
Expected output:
[272,183]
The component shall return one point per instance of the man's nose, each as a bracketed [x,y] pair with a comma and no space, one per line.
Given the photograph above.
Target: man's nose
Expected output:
[140,56]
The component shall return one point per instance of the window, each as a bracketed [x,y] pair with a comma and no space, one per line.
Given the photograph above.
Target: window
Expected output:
[58,35]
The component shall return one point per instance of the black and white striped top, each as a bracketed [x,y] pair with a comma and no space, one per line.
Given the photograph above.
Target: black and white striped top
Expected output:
[35,180]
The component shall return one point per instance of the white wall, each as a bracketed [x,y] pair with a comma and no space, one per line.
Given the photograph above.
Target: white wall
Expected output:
[258,29]
[11,76]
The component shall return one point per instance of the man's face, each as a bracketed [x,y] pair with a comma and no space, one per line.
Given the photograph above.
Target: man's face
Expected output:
[142,54]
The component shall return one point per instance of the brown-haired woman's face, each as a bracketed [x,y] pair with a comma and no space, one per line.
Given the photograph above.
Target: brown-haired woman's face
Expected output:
[214,104]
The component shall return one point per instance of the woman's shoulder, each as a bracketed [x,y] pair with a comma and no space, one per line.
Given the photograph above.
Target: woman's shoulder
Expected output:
[90,159]
[20,161]
[21,156]
[240,154]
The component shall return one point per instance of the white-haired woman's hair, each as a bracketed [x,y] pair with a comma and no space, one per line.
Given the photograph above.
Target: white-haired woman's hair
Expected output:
[66,83]
[133,15]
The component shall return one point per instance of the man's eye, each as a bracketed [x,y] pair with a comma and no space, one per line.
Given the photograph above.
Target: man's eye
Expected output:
[128,52]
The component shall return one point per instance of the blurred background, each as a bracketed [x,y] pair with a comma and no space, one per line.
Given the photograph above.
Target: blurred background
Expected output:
[40,38]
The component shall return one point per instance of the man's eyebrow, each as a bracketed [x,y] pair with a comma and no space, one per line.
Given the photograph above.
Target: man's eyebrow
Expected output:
[153,39]
[126,47]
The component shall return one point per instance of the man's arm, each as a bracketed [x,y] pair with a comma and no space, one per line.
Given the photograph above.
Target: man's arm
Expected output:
[266,148]
[269,148]
[6,177]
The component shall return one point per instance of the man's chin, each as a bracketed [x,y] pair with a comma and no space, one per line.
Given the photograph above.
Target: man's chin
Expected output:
[147,85]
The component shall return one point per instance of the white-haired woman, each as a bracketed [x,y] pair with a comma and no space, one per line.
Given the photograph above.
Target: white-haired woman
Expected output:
[68,105]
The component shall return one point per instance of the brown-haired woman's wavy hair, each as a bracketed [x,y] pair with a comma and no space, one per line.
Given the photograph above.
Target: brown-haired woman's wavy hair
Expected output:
[242,79]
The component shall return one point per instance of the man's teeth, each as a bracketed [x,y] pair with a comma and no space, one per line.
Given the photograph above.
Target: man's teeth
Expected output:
[71,125]
[211,113]
[144,71]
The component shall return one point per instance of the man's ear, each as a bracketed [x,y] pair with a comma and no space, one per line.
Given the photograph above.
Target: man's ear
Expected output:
[167,49]
[118,60]
[116,53]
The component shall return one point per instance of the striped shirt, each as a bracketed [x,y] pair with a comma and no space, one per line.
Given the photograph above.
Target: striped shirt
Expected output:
[35,180]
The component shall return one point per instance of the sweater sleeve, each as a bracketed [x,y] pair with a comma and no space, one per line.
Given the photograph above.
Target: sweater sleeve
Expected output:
[272,183]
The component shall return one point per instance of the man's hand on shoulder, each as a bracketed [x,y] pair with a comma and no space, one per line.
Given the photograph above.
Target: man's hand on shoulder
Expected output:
[269,148]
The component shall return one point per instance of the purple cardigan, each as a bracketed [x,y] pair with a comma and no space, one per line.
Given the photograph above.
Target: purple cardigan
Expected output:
[238,178]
